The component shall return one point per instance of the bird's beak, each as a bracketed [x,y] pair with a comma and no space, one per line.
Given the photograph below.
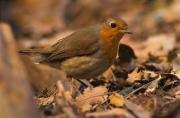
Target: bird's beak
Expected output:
[128,31]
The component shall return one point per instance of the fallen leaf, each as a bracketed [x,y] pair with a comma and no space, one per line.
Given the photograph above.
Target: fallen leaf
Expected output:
[154,84]
[137,110]
[177,94]
[90,97]
[176,66]
[116,100]
[135,75]
[114,113]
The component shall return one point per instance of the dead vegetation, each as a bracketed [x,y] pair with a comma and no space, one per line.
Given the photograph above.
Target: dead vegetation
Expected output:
[143,82]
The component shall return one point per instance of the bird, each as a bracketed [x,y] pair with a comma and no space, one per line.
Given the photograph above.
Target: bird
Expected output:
[86,53]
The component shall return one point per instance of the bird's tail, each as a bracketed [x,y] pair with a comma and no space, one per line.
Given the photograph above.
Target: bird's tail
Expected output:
[39,54]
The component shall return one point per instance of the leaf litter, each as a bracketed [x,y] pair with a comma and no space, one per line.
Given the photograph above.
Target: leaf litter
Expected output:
[143,82]
[146,92]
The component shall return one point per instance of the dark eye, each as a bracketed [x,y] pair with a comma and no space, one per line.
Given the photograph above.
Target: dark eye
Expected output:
[113,25]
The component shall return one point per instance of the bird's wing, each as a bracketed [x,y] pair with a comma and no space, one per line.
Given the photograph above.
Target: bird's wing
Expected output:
[80,43]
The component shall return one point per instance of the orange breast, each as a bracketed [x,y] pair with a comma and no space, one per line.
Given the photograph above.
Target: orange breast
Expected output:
[110,46]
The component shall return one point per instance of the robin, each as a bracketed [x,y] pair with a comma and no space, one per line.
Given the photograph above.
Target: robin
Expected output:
[86,53]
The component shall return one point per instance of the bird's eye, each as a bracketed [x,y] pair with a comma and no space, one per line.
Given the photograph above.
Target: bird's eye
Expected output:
[113,25]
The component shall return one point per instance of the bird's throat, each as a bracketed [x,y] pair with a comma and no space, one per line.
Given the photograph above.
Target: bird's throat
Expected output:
[110,46]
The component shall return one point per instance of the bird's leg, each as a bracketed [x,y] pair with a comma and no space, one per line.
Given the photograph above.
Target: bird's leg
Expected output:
[113,76]
[80,81]
[73,85]
[85,83]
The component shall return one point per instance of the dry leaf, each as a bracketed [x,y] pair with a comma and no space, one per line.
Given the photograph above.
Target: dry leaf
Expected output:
[90,97]
[156,45]
[116,99]
[135,75]
[45,101]
[154,84]
[114,113]
[177,94]
[176,66]
[137,110]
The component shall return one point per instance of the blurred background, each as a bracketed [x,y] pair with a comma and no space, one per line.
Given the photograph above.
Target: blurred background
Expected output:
[42,19]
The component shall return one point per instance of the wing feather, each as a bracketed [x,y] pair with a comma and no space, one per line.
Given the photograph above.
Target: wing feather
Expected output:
[83,42]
